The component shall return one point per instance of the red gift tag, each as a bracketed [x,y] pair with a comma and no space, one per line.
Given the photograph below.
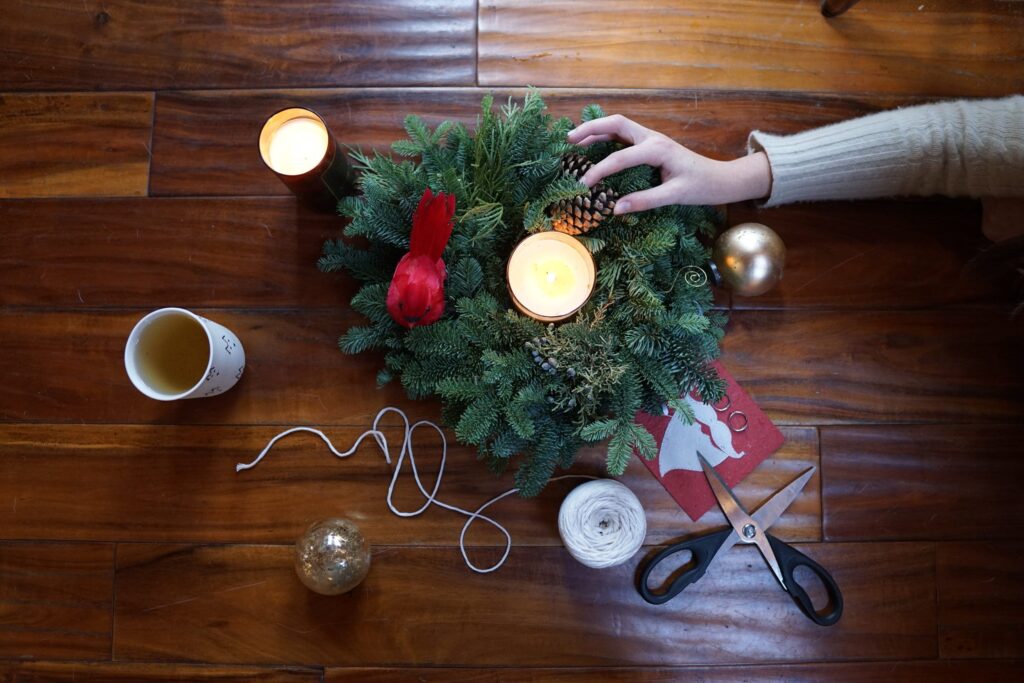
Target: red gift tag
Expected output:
[733,435]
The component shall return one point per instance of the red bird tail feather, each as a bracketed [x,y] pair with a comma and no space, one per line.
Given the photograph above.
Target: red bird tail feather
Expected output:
[432,224]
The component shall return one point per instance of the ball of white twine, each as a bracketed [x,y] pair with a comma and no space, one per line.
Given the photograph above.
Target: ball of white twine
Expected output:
[602,523]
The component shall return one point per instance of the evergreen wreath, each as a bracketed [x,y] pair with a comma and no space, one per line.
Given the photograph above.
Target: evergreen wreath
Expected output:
[512,386]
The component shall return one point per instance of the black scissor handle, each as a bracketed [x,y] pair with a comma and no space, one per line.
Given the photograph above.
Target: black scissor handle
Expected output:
[789,558]
[702,548]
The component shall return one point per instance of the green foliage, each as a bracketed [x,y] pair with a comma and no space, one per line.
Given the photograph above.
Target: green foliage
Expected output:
[643,340]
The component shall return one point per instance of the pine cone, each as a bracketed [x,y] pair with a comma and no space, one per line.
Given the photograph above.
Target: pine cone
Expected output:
[582,214]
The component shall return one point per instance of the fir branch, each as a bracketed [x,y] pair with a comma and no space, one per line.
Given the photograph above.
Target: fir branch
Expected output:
[359,339]
[620,447]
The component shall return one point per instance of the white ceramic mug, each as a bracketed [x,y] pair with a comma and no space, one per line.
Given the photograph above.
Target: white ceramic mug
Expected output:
[173,354]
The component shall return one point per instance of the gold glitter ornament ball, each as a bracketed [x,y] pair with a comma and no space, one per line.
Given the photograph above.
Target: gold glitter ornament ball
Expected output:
[332,557]
[750,258]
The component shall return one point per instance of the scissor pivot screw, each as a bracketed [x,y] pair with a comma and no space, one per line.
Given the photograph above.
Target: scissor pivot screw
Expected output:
[749,531]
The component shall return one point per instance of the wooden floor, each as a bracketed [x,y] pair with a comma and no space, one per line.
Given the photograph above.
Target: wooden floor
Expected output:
[129,180]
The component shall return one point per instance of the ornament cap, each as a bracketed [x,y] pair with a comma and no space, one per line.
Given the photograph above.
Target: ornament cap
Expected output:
[716,275]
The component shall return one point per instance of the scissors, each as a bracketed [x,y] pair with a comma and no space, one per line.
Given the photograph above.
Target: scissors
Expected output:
[782,558]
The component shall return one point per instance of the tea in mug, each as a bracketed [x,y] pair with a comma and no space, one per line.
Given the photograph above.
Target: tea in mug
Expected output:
[173,353]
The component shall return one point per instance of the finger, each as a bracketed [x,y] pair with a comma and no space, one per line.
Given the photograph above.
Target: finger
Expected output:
[617,161]
[616,125]
[591,139]
[660,195]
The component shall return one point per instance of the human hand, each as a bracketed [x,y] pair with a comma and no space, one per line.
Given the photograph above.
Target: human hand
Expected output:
[686,177]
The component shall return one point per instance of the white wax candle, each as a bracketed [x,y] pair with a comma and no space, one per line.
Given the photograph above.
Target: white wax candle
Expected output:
[297,146]
[550,276]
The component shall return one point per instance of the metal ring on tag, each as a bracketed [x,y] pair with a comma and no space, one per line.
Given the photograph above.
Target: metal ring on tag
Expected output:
[728,405]
[746,421]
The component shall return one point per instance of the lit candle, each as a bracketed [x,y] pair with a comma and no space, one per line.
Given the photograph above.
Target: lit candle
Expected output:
[550,276]
[297,146]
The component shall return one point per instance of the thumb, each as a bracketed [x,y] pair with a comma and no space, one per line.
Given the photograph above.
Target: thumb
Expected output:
[660,195]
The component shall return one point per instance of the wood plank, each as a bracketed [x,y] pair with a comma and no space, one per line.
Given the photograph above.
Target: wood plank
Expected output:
[254,253]
[262,253]
[61,672]
[159,44]
[78,144]
[178,484]
[68,367]
[205,141]
[980,589]
[55,600]
[870,672]
[920,482]
[421,606]
[946,47]
[885,254]
[848,367]
[167,252]
[824,367]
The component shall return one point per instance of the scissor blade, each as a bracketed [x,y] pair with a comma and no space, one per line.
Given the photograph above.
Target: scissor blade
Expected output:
[772,509]
[734,511]
[739,519]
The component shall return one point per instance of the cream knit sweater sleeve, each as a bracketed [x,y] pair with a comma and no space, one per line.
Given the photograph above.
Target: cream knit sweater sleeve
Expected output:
[965,147]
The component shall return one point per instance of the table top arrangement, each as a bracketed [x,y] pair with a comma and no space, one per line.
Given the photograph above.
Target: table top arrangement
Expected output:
[321,362]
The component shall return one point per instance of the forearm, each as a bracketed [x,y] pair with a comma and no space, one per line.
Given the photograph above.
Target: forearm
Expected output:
[748,177]
[956,148]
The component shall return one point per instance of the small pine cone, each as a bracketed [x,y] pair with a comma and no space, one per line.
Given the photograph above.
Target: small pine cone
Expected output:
[582,214]
[575,165]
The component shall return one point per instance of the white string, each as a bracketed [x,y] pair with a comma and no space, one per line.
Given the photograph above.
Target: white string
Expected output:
[602,523]
[429,498]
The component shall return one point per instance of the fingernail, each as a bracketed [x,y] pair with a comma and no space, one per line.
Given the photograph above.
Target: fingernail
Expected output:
[621,207]
[586,180]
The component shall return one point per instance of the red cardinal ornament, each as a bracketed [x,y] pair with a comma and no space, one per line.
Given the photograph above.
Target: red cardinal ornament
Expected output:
[416,295]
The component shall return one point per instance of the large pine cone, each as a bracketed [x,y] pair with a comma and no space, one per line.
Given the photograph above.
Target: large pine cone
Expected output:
[581,214]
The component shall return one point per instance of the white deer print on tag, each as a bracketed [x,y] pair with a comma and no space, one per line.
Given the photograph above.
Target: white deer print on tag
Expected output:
[682,441]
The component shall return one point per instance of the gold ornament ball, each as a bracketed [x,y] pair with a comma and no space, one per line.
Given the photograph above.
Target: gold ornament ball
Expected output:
[332,557]
[750,258]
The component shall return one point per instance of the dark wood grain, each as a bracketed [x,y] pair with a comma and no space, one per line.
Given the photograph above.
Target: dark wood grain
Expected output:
[910,376]
[828,367]
[178,484]
[888,254]
[55,600]
[921,482]
[900,46]
[871,672]
[75,144]
[205,141]
[422,606]
[111,672]
[69,367]
[802,367]
[167,252]
[241,252]
[980,599]
[147,44]
[261,253]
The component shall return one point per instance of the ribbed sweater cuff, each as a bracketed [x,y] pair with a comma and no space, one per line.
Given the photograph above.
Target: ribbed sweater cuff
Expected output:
[855,159]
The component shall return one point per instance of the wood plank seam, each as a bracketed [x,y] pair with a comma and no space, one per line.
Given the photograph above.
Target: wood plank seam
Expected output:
[114,591]
[149,148]
[935,583]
